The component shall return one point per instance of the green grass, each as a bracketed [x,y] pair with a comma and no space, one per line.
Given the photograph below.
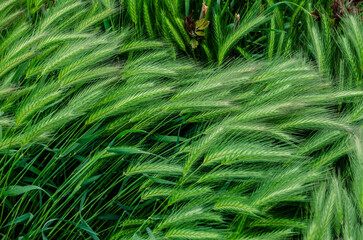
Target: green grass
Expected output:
[112,126]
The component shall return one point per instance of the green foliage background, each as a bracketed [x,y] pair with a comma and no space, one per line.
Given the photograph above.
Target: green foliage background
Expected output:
[113,127]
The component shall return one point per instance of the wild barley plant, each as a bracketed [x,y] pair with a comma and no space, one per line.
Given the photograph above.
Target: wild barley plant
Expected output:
[104,136]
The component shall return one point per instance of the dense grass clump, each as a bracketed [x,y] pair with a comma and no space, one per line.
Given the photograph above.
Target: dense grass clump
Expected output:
[179,119]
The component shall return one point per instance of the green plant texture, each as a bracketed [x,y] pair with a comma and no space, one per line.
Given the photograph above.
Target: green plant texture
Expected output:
[181,119]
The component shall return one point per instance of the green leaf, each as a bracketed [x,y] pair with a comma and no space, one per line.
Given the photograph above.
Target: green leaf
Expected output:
[91,179]
[169,139]
[203,26]
[84,224]
[187,6]
[200,33]
[123,133]
[199,23]
[108,217]
[15,190]
[159,180]
[126,150]
[80,226]
[106,23]
[20,219]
